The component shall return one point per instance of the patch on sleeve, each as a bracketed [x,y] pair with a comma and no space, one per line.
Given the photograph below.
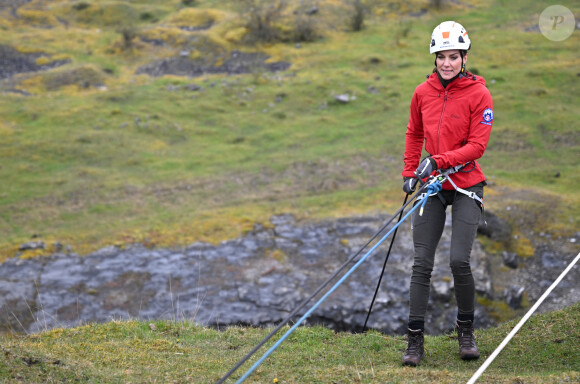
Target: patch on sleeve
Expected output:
[487,116]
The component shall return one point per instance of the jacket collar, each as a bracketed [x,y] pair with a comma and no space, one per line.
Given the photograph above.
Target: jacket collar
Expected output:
[464,80]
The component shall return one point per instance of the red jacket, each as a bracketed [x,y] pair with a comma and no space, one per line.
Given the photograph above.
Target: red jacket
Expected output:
[455,124]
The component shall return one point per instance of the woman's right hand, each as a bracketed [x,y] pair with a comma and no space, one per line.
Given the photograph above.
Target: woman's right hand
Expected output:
[409,185]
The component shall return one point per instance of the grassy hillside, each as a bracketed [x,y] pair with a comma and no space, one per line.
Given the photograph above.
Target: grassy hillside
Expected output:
[545,350]
[93,153]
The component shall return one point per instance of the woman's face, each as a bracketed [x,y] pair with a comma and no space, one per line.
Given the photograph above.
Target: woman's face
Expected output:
[449,63]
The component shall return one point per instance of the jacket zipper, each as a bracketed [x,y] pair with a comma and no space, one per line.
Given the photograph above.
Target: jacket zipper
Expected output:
[440,121]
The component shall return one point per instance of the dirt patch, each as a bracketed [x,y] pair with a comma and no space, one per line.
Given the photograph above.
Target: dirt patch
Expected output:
[237,63]
[297,179]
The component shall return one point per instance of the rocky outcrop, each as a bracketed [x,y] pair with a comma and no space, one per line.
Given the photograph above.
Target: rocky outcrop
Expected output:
[257,280]
[13,62]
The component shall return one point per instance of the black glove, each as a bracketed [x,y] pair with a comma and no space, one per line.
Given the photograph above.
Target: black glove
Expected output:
[409,185]
[427,166]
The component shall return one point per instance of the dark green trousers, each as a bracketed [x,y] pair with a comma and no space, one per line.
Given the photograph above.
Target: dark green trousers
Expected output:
[427,231]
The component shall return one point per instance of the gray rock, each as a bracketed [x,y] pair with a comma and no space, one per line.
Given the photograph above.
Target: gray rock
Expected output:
[551,259]
[344,98]
[510,259]
[514,295]
[282,219]
[312,11]
[496,229]
[32,246]
[441,290]
[58,246]
[193,87]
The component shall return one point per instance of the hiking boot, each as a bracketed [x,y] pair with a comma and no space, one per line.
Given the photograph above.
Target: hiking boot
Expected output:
[415,350]
[467,348]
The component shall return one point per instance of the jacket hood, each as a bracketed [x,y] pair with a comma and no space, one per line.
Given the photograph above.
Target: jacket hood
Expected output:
[465,80]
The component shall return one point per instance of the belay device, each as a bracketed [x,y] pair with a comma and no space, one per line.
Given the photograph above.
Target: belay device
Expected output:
[431,187]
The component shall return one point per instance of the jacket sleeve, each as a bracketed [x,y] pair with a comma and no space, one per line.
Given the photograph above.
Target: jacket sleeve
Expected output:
[481,121]
[414,138]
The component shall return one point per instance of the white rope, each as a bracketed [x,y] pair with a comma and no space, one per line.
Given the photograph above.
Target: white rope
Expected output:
[521,323]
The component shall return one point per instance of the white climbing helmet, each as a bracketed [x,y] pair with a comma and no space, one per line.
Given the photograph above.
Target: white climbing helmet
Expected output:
[449,35]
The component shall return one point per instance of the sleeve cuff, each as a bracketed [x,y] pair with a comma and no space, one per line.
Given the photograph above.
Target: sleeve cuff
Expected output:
[436,164]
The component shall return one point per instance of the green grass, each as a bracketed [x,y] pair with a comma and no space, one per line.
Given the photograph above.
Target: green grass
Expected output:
[89,167]
[545,350]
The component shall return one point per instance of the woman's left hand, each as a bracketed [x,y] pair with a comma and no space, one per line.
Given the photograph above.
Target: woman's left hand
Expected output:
[426,168]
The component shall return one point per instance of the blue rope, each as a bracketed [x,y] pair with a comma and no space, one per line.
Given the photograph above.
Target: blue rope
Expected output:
[431,189]
[334,287]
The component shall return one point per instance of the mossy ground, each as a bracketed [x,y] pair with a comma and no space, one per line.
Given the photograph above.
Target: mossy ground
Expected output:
[545,350]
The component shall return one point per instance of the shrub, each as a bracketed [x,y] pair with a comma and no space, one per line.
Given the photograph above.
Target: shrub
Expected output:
[129,33]
[358,16]
[263,18]
[146,16]
[402,31]
[306,23]
[80,6]
[436,4]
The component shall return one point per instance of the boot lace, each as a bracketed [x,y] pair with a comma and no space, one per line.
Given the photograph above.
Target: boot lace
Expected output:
[415,343]
[466,337]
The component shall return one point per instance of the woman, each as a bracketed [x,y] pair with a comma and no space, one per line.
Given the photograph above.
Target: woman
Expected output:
[452,113]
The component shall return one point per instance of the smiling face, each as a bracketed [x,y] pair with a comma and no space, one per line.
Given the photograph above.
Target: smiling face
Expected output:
[449,63]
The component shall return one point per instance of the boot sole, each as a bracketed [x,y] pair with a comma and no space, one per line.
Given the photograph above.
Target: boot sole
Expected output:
[409,363]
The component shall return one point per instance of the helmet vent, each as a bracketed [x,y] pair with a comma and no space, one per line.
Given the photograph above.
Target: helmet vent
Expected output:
[449,35]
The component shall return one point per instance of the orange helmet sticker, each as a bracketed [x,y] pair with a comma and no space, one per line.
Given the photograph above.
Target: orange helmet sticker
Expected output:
[445,35]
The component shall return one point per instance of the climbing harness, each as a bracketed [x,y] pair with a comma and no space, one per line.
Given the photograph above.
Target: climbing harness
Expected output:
[431,185]
[492,357]
[469,194]
[473,195]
